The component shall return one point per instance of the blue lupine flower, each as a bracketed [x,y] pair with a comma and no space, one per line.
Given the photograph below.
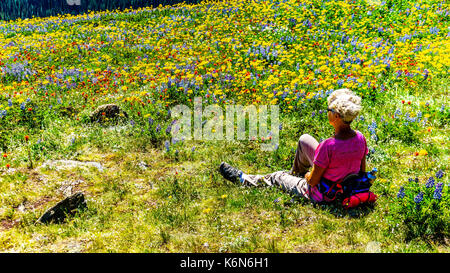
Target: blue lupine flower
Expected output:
[418,198]
[425,76]
[401,193]
[22,106]
[9,103]
[168,129]
[193,149]
[430,182]
[158,128]
[438,191]
[167,145]
[132,122]
[439,174]
[150,121]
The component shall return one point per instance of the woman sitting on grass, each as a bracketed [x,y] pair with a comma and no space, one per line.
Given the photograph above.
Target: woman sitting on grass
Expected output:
[332,159]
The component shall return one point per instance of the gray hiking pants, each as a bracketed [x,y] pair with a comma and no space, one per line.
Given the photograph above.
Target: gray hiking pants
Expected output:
[290,183]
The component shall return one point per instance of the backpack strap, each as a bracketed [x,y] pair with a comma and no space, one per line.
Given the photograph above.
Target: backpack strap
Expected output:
[338,190]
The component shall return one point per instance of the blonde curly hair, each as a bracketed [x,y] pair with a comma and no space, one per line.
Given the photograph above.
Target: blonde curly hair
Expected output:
[345,103]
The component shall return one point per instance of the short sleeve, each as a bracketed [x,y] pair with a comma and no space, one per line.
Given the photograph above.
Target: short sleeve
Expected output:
[365,145]
[321,157]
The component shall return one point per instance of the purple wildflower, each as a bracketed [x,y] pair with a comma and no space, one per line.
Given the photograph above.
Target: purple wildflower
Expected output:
[168,129]
[438,191]
[401,193]
[425,76]
[430,182]
[418,198]
[439,174]
[167,145]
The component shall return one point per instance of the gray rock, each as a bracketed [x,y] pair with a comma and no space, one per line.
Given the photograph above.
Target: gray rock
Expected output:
[142,165]
[110,111]
[68,164]
[64,208]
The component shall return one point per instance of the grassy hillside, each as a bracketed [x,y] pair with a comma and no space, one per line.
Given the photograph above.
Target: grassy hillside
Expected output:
[154,194]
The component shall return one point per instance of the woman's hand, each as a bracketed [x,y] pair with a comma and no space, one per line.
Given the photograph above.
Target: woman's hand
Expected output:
[308,176]
[313,177]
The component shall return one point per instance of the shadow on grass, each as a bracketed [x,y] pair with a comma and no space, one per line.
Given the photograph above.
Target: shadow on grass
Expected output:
[339,211]
[334,208]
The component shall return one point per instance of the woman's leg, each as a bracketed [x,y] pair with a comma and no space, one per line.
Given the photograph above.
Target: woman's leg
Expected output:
[287,182]
[304,156]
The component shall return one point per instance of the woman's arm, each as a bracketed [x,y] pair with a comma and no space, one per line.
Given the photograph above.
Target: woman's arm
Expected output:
[363,165]
[313,177]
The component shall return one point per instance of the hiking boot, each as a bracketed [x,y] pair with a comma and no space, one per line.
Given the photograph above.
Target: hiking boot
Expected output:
[230,173]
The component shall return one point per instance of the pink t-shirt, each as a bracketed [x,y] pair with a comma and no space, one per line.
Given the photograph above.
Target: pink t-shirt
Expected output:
[341,157]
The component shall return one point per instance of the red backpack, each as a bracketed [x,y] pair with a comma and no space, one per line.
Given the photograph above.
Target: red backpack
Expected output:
[352,190]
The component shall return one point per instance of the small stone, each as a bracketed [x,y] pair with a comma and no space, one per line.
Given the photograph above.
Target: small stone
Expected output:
[110,111]
[142,165]
[67,164]
[373,247]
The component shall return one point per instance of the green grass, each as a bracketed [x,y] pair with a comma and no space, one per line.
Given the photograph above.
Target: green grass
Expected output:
[180,202]
[184,205]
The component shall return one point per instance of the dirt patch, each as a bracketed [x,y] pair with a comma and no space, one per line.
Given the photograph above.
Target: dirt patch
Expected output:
[8,224]
[37,204]
[308,249]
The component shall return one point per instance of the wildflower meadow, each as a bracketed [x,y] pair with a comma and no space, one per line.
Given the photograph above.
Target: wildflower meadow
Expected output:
[149,192]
